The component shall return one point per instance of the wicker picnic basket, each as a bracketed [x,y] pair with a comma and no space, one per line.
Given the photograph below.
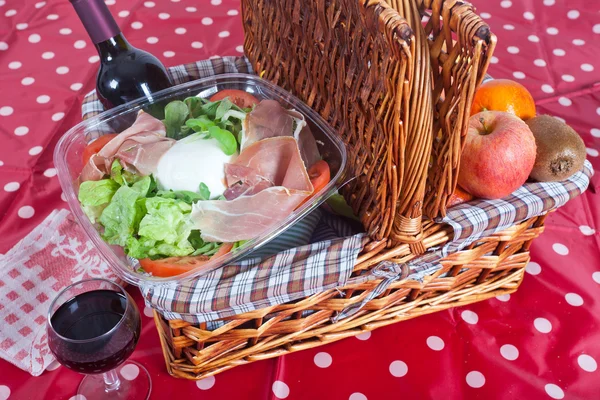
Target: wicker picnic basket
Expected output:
[396,81]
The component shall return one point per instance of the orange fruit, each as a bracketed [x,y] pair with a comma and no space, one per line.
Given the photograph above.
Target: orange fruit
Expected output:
[504,95]
[459,196]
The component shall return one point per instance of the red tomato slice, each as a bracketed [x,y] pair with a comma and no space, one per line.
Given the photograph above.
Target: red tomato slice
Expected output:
[238,97]
[172,266]
[96,146]
[319,175]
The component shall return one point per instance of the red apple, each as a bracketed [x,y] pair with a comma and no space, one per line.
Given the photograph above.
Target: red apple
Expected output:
[498,155]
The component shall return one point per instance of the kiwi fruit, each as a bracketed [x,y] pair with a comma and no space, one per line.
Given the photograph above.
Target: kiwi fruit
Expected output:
[560,150]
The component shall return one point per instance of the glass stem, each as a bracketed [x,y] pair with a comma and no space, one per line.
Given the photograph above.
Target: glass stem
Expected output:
[111,380]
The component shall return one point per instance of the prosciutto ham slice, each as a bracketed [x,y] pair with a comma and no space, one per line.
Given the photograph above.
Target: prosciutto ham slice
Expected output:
[269,119]
[139,148]
[276,161]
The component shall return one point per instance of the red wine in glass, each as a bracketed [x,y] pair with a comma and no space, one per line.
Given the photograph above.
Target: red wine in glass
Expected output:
[93,327]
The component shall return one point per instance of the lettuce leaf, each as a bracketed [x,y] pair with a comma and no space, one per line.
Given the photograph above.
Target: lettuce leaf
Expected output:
[94,196]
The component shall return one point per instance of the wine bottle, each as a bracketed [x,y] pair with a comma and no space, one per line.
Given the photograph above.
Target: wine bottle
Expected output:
[126,73]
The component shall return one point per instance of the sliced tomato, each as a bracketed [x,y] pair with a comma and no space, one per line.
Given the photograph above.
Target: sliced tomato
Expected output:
[320,175]
[238,97]
[96,146]
[172,266]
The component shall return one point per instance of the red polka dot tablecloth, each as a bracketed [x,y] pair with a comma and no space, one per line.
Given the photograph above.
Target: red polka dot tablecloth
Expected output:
[542,342]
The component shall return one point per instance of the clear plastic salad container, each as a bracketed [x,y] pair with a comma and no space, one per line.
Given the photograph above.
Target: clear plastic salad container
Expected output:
[68,162]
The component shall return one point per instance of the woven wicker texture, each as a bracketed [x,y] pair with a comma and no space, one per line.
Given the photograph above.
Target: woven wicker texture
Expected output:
[193,352]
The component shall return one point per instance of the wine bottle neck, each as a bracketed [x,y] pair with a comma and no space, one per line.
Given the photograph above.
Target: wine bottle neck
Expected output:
[97,20]
[109,48]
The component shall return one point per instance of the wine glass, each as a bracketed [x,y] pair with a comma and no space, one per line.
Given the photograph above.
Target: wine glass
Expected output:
[93,327]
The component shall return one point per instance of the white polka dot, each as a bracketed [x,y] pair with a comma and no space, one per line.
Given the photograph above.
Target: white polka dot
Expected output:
[587,67]
[207,21]
[58,116]
[560,249]
[357,396]
[505,3]
[52,17]
[206,383]
[469,317]
[10,13]
[6,111]
[21,131]
[43,99]
[596,28]
[4,392]
[149,4]
[215,2]
[130,372]
[164,15]
[513,49]
[485,15]
[27,81]
[573,14]
[574,299]
[35,150]
[598,110]
[34,38]
[12,186]
[568,78]
[322,360]
[40,4]
[494,60]
[539,62]
[93,59]
[180,31]
[48,55]
[475,379]
[1,163]
[547,88]
[224,34]
[542,325]
[528,15]
[564,101]
[552,30]
[533,38]
[398,368]
[175,1]
[191,9]
[595,132]
[77,397]
[364,336]
[62,70]
[503,297]
[76,86]
[559,118]
[152,40]
[148,312]
[549,2]
[578,42]
[26,212]
[559,52]
[14,65]
[50,172]
[169,54]
[435,343]
[22,26]
[80,44]
[509,352]
[110,2]
[280,389]
[3,46]
[63,197]
[197,45]
[554,391]
[239,49]
[232,12]
[586,230]
[65,31]
[509,27]
[519,75]
[123,13]
[591,152]
[137,25]
[533,268]
[587,363]
[596,277]
[54,365]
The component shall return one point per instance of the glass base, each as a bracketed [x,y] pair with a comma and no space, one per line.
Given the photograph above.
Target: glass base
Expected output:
[135,384]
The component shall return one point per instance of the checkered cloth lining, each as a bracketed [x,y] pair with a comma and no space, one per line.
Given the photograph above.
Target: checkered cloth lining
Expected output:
[293,266]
